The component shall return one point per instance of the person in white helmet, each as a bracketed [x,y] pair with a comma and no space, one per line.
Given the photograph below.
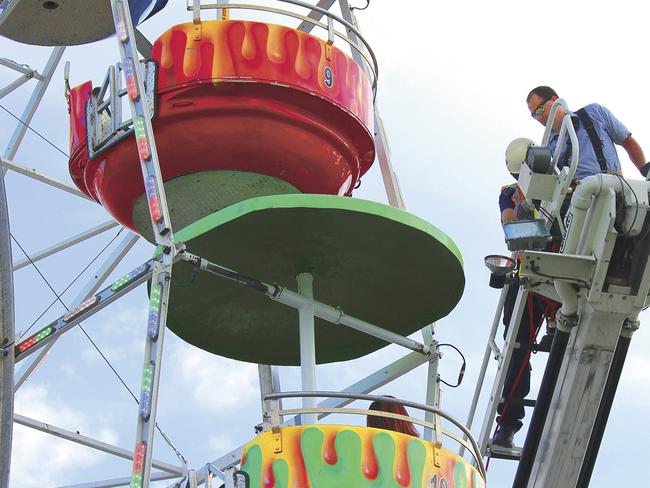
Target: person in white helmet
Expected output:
[513,207]
[598,132]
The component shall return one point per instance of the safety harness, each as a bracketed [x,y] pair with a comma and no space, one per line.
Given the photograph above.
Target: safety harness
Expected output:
[585,119]
[596,143]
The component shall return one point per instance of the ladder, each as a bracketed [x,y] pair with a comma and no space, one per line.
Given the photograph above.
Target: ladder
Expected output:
[503,357]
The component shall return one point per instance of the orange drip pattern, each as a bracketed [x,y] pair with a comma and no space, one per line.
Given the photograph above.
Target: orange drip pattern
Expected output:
[255,51]
[402,471]
[330,456]
[369,465]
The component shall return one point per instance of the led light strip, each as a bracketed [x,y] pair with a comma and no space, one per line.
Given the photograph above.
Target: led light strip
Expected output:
[82,307]
[138,464]
[35,339]
[146,388]
[128,278]
[154,312]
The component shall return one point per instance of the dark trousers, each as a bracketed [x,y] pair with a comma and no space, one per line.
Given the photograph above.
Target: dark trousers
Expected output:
[517,382]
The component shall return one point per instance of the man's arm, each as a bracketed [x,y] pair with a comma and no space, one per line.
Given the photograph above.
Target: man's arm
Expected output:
[634,151]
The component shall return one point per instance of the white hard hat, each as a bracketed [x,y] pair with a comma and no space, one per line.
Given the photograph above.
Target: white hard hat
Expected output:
[516,153]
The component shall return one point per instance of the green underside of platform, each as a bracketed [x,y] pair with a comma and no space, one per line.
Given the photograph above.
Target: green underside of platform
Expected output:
[197,195]
[376,262]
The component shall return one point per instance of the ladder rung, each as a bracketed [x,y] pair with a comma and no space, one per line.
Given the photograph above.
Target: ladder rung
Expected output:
[520,402]
[498,452]
[534,347]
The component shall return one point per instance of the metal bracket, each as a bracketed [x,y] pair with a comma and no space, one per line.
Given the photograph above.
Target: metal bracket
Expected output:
[330,38]
[196,19]
[630,327]
[277,440]
[436,457]
[566,322]
[275,426]
[566,267]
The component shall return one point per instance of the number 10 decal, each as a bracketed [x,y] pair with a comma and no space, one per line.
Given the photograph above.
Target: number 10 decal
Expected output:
[329,77]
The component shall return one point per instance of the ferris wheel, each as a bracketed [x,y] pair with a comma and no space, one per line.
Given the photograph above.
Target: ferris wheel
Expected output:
[234,146]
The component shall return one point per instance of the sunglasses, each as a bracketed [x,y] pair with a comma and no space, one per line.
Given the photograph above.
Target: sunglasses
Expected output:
[539,111]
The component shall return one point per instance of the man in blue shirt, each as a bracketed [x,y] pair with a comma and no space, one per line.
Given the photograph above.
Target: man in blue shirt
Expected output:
[607,131]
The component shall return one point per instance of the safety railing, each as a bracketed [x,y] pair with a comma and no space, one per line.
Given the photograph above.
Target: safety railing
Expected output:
[274,415]
[104,115]
[566,175]
[352,36]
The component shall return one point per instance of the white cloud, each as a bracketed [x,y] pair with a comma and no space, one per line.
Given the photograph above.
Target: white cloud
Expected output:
[39,459]
[220,443]
[216,383]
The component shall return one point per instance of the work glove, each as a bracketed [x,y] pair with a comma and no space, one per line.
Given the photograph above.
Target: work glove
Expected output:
[525,210]
[644,169]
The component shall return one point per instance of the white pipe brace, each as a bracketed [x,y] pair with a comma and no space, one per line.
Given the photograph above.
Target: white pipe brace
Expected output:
[586,189]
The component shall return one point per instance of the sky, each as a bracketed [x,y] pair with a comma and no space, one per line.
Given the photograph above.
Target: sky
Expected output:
[452,86]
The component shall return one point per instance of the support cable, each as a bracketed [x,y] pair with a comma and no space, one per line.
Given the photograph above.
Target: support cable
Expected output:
[97,348]
[35,131]
[361,8]
[71,283]
[461,372]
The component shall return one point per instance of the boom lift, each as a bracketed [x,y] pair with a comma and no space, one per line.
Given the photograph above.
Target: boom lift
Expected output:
[601,277]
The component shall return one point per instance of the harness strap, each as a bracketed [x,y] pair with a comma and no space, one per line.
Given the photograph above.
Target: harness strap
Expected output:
[593,137]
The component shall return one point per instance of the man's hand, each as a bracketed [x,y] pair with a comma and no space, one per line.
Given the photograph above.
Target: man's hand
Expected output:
[525,210]
[644,169]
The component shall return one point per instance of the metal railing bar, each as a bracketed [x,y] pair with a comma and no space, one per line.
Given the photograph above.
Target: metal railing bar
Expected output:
[379,413]
[36,175]
[90,442]
[373,65]
[21,68]
[37,256]
[372,398]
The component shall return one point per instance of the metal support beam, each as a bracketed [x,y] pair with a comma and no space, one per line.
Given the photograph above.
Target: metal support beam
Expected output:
[432,398]
[92,443]
[13,85]
[153,349]
[296,300]
[38,176]
[391,183]
[577,396]
[112,483]
[307,26]
[307,344]
[21,68]
[103,299]
[37,256]
[98,279]
[37,95]
[269,383]
[7,333]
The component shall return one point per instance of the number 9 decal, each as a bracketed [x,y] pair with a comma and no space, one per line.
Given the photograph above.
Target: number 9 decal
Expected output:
[329,77]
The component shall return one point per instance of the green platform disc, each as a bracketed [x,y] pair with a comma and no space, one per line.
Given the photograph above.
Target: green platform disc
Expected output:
[196,195]
[376,262]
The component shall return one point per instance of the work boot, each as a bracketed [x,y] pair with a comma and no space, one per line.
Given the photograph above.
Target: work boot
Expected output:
[546,342]
[505,436]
